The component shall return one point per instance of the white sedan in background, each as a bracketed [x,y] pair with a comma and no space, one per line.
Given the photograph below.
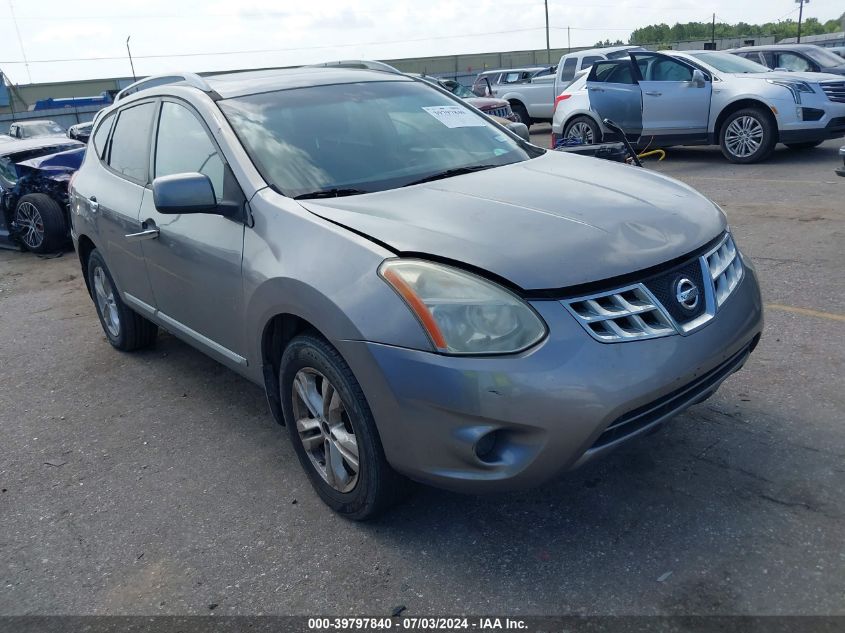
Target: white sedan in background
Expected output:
[702,98]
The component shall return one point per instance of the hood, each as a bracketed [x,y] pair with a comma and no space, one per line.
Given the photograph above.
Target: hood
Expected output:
[486,103]
[61,162]
[555,221]
[795,76]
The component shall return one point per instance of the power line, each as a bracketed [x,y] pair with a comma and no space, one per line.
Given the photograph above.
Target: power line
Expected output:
[267,50]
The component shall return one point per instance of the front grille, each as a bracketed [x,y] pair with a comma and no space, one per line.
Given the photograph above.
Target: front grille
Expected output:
[725,270]
[671,403]
[835,90]
[662,305]
[503,112]
[628,313]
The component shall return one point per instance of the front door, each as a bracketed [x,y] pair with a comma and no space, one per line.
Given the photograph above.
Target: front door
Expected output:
[194,261]
[674,106]
[615,95]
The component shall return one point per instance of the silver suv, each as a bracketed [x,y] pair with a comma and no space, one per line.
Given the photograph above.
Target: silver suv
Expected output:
[422,294]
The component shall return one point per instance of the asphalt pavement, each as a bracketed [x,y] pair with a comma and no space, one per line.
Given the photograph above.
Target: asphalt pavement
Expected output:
[157,482]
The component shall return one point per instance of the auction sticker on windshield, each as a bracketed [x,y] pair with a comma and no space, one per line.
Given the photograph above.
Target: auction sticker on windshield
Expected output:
[454,116]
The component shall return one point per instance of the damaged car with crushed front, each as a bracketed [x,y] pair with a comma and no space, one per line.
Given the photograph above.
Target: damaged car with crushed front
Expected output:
[422,294]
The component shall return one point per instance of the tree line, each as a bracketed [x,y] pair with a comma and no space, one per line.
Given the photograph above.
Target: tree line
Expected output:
[665,34]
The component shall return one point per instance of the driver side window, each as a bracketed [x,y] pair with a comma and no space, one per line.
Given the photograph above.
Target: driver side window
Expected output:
[793,62]
[663,69]
[183,146]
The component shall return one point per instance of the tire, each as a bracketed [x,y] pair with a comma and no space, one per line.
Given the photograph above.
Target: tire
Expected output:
[521,113]
[805,145]
[125,329]
[748,136]
[583,127]
[41,223]
[319,370]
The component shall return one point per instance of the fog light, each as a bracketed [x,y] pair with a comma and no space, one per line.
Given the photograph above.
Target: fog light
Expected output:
[485,446]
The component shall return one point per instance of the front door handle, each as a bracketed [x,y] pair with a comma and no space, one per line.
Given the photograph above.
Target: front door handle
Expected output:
[93,204]
[654,93]
[146,234]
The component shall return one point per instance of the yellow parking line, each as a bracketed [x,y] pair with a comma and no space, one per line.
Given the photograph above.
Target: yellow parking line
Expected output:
[806,312]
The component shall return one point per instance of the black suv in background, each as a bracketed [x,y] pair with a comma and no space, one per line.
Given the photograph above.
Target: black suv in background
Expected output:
[795,57]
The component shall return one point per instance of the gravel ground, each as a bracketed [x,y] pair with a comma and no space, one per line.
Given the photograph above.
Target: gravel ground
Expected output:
[157,483]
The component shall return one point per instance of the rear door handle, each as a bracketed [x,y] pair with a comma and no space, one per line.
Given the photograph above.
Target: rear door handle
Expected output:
[597,89]
[654,93]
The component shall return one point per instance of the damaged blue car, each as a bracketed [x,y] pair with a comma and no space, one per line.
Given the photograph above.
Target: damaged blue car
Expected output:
[34,179]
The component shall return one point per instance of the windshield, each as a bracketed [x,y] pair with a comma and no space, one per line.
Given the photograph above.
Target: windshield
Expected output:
[729,63]
[364,136]
[48,128]
[824,58]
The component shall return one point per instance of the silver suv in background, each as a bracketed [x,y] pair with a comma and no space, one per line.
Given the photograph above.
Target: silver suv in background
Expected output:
[702,98]
[421,294]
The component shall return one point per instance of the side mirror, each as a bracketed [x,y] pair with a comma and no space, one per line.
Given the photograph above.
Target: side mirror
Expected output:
[698,78]
[184,193]
[520,129]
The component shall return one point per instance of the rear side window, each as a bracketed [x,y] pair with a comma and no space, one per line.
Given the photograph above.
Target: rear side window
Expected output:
[590,60]
[612,72]
[102,134]
[130,143]
[183,146]
[567,73]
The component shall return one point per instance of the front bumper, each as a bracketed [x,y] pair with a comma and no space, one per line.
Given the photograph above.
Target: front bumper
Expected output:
[548,408]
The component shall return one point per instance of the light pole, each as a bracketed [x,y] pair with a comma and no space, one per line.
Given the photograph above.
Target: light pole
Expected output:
[800,16]
[548,48]
[134,78]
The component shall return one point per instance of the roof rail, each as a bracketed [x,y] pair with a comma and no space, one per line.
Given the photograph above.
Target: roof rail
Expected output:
[359,63]
[153,81]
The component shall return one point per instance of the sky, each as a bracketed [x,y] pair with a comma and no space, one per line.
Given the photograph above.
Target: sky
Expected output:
[205,36]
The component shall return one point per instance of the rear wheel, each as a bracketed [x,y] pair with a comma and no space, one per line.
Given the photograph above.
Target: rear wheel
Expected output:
[125,329]
[582,128]
[333,431]
[805,145]
[40,223]
[521,113]
[748,136]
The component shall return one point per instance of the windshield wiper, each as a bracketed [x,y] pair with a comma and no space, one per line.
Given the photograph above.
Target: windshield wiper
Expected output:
[448,173]
[330,193]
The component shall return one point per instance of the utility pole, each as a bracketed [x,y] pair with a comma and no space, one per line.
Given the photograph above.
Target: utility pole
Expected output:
[713,32]
[800,16]
[568,41]
[548,48]
[134,78]
[20,40]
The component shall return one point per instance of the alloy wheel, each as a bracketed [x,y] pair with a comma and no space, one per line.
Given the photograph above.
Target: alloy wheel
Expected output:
[325,429]
[104,293]
[582,131]
[744,136]
[30,224]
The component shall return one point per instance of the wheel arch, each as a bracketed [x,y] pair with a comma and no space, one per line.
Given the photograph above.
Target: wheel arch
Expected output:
[85,246]
[741,104]
[588,113]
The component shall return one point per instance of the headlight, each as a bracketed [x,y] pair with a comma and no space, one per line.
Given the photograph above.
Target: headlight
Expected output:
[463,313]
[795,86]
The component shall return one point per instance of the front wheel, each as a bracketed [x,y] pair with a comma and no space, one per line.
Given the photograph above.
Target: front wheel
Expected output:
[748,136]
[333,431]
[805,145]
[521,113]
[40,223]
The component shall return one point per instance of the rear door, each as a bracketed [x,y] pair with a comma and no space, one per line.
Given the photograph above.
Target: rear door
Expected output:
[674,107]
[113,194]
[615,95]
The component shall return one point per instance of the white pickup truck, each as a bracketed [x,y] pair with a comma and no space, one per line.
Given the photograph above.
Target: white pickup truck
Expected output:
[531,91]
